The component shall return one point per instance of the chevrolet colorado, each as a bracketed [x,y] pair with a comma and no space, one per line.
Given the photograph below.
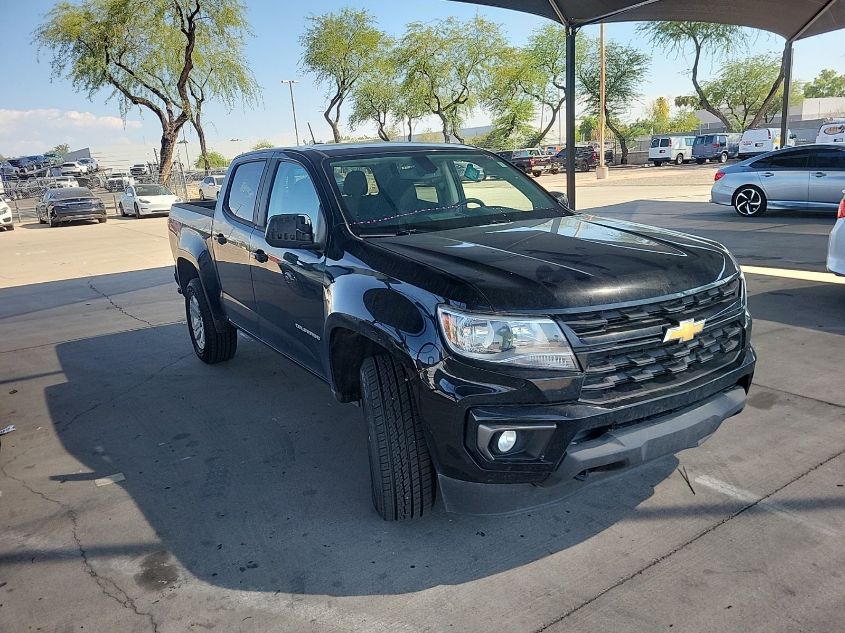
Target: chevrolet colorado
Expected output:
[505,349]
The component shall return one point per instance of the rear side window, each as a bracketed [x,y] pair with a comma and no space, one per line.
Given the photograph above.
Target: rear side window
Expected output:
[243,190]
[828,159]
[789,160]
[655,142]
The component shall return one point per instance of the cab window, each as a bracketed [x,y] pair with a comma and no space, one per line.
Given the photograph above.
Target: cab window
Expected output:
[293,192]
[243,191]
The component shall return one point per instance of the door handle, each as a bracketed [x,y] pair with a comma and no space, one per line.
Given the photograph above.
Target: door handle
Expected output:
[820,174]
[767,174]
[260,256]
[221,239]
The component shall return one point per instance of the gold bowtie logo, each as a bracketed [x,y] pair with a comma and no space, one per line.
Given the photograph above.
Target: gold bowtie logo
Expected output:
[685,331]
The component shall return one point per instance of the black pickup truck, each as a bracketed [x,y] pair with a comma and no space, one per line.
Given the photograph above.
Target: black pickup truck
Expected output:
[505,349]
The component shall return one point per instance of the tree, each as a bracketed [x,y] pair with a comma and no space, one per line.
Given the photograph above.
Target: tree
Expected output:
[659,115]
[626,68]
[741,91]
[588,127]
[61,149]
[263,144]
[828,83]
[215,160]
[410,107]
[376,95]
[717,40]
[447,61]
[684,120]
[145,53]
[338,48]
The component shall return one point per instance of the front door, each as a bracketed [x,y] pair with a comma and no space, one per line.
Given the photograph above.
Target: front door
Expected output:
[231,242]
[784,177]
[289,282]
[827,175]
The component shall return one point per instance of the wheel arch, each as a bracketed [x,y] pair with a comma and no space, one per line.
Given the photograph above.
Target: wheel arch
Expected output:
[193,260]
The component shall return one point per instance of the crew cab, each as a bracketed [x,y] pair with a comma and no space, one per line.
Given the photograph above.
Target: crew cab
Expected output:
[506,350]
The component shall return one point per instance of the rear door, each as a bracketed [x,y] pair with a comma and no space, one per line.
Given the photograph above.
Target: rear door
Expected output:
[289,282]
[827,175]
[233,229]
[784,177]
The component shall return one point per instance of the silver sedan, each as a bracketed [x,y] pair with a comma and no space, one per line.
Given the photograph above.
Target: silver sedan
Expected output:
[808,177]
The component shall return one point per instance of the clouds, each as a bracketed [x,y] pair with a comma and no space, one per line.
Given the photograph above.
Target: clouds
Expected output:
[38,130]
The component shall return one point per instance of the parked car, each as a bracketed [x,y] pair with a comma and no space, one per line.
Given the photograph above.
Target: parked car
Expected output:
[715,147]
[586,158]
[832,132]
[210,187]
[836,245]
[505,350]
[807,177]
[8,170]
[671,148]
[39,160]
[90,164]
[6,222]
[54,158]
[139,169]
[64,182]
[24,165]
[73,168]
[761,140]
[506,154]
[531,161]
[149,199]
[59,206]
[119,181]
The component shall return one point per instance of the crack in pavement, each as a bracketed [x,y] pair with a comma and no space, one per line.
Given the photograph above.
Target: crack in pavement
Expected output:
[685,544]
[115,306]
[108,587]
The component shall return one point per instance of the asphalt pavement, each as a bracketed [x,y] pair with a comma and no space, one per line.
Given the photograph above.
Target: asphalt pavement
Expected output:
[145,491]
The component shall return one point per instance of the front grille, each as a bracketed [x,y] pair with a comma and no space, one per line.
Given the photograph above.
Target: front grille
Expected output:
[624,356]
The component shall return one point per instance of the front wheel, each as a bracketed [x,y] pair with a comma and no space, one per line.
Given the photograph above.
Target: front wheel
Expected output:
[210,345]
[202,195]
[750,202]
[137,211]
[401,472]
[122,211]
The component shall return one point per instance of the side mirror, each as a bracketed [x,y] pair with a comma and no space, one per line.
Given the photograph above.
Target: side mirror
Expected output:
[290,230]
[561,197]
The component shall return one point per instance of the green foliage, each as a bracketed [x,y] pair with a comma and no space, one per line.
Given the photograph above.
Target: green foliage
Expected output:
[263,144]
[338,49]
[61,149]
[659,115]
[828,83]
[216,160]
[588,128]
[376,95]
[684,120]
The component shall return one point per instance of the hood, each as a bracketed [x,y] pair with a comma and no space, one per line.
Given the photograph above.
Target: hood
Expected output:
[568,262]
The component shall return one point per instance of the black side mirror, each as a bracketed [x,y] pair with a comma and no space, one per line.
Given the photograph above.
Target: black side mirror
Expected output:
[561,197]
[290,230]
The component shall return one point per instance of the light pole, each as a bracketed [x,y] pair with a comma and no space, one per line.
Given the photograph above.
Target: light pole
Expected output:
[601,171]
[290,83]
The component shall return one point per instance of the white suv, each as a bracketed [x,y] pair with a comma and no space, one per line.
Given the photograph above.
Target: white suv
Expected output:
[6,215]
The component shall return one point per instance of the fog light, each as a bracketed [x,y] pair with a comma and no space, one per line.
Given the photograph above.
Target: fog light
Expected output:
[506,441]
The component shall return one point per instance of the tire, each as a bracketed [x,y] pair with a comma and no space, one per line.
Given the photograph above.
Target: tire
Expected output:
[137,211]
[401,472]
[11,227]
[679,159]
[122,210]
[750,202]
[202,195]
[723,157]
[657,163]
[699,161]
[585,167]
[536,174]
[102,220]
[210,345]
[53,224]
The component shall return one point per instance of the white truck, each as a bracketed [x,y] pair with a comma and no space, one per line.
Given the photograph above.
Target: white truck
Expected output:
[832,132]
[761,140]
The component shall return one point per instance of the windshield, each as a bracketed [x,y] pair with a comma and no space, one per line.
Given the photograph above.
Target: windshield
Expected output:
[152,190]
[434,191]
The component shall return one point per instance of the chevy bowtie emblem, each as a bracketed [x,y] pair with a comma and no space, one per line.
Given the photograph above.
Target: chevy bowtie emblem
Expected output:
[684,331]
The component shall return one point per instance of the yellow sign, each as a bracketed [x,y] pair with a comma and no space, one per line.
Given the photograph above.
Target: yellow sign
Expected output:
[684,331]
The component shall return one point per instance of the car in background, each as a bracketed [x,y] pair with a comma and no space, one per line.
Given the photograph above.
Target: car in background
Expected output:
[58,206]
[586,158]
[671,148]
[7,169]
[139,169]
[119,181]
[210,187]
[506,154]
[807,177]
[64,182]
[6,215]
[832,132]
[836,245]
[758,141]
[715,147]
[89,163]
[531,160]
[54,158]
[24,165]
[146,199]
[73,168]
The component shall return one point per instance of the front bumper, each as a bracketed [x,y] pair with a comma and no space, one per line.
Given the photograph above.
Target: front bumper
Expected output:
[154,209]
[94,214]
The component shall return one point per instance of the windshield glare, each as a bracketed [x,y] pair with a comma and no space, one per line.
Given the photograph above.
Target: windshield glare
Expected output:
[152,190]
[435,190]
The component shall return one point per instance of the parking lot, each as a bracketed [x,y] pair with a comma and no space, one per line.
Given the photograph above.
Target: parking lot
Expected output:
[244,503]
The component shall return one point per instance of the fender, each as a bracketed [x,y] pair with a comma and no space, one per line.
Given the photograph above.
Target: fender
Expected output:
[194,249]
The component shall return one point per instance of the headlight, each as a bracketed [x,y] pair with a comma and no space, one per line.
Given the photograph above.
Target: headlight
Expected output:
[525,342]
[143,201]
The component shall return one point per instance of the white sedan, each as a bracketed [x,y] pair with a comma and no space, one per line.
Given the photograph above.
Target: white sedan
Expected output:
[141,200]
[210,187]
[836,248]
[6,215]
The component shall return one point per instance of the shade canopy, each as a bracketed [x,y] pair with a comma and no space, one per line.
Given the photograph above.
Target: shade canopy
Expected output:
[793,19]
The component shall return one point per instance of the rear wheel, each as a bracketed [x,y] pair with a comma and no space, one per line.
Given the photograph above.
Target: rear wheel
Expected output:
[699,161]
[536,174]
[723,157]
[401,472]
[102,220]
[657,163]
[679,159]
[750,201]
[210,345]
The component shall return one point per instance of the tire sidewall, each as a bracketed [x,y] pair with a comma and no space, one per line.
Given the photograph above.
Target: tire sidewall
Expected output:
[195,289]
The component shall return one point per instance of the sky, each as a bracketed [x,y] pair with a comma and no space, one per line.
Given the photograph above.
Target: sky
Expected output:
[38,111]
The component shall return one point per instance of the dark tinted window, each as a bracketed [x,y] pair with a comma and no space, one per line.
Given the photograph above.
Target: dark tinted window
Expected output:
[665,142]
[784,160]
[828,159]
[243,191]
[293,192]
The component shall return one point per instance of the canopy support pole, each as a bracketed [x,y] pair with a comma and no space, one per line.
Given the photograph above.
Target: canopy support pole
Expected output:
[787,88]
[571,32]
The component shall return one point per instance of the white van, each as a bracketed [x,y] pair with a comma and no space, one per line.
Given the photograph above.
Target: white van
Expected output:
[761,140]
[832,132]
[666,148]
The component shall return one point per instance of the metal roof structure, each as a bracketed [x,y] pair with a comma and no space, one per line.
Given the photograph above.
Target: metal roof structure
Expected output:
[792,19]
